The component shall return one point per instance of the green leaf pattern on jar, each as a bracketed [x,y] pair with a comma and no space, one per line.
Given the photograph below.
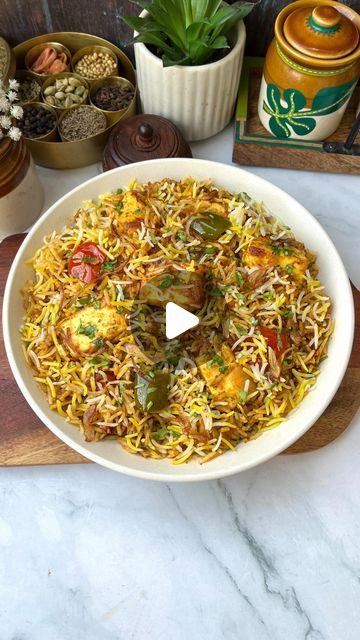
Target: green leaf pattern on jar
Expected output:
[294,117]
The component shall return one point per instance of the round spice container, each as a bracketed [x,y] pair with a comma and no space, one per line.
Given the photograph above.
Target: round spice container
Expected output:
[48,58]
[38,122]
[95,62]
[311,69]
[65,90]
[29,87]
[81,122]
[112,95]
[7,61]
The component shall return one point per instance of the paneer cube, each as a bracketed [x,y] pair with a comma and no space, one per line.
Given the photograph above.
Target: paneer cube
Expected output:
[289,255]
[224,377]
[185,288]
[87,329]
[131,216]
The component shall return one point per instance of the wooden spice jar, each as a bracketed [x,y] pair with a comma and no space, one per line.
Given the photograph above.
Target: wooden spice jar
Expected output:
[21,194]
[311,69]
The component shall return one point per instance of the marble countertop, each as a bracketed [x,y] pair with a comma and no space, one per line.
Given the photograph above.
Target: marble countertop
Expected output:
[270,554]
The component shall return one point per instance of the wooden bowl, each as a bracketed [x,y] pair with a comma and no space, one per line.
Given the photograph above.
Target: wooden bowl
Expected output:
[35,51]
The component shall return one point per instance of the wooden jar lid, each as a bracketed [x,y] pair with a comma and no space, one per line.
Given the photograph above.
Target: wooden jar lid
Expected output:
[144,137]
[322,31]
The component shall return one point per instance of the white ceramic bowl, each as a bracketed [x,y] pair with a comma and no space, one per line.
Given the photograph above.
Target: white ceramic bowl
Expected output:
[305,227]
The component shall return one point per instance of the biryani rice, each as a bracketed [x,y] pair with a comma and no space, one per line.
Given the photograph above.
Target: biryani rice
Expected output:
[100,400]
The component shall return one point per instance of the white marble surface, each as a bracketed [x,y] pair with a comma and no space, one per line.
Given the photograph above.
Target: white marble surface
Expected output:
[271,554]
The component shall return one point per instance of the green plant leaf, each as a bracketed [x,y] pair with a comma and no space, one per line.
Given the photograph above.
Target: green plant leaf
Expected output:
[330,99]
[187,32]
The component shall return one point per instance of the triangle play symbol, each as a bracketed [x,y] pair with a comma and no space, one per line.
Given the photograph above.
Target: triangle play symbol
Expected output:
[178,320]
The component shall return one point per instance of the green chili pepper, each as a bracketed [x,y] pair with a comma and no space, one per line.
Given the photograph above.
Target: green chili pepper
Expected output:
[151,393]
[210,226]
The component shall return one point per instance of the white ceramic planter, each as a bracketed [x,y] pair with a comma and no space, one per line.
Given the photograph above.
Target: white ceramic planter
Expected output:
[200,100]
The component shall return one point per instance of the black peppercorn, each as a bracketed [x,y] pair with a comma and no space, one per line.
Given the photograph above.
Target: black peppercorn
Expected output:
[36,121]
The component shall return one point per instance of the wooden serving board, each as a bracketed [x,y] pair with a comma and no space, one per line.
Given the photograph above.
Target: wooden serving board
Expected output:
[24,440]
[255,146]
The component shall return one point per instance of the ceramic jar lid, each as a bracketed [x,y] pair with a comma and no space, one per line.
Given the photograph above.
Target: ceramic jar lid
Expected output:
[321,32]
[144,137]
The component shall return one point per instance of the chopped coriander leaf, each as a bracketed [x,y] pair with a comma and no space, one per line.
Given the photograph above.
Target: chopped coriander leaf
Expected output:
[119,310]
[216,360]
[98,342]
[118,191]
[287,313]
[154,239]
[223,368]
[109,265]
[121,388]
[276,249]
[83,302]
[216,292]
[88,259]
[254,321]
[166,282]
[100,361]
[173,360]
[287,252]
[161,433]
[241,330]
[243,196]
[87,301]
[89,330]
[119,206]
[68,254]
[243,396]
[268,295]
[239,279]
[240,296]
[182,236]
[210,250]
[289,268]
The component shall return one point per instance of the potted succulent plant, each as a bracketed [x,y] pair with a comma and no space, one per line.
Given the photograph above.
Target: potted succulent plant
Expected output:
[21,194]
[188,60]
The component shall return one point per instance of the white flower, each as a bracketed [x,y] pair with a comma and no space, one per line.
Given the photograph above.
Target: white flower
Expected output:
[4,104]
[5,122]
[12,96]
[16,111]
[14,134]
[13,84]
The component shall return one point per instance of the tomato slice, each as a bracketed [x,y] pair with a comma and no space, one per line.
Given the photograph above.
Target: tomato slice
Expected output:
[85,263]
[278,343]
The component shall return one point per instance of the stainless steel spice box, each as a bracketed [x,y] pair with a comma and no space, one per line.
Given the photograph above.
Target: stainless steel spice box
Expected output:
[79,153]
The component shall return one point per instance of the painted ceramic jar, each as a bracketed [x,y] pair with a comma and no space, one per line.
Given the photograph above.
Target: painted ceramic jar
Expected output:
[21,194]
[311,69]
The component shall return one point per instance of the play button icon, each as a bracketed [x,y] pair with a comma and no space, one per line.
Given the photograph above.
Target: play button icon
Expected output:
[178,320]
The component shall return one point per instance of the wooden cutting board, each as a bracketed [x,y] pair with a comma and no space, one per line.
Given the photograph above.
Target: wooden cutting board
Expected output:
[24,440]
